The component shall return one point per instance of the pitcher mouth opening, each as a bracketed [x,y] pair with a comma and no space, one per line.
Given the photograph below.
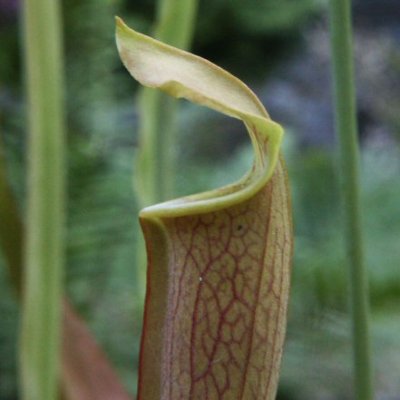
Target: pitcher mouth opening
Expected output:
[254,180]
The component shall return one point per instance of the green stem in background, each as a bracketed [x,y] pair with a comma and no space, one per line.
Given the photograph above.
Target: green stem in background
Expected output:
[44,252]
[346,126]
[83,360]
[155,169]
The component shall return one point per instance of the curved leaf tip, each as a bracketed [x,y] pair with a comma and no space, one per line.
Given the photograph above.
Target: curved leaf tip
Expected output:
[219,261]
[182,74]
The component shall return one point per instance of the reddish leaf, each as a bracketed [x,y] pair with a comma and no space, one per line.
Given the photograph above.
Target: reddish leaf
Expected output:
[218,262]
[86,372]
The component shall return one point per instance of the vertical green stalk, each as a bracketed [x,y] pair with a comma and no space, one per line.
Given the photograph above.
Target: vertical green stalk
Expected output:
[155,173]
[44,253]
[346,126]
[155,168]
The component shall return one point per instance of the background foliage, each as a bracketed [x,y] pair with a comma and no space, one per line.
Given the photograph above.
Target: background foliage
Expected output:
[281,48]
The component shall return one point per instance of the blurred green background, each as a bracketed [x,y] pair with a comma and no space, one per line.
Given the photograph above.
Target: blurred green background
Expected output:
[281,49]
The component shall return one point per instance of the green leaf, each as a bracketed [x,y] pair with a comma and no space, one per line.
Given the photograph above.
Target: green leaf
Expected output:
[83,361]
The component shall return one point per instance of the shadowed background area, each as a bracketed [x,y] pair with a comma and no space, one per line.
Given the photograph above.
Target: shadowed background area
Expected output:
[281,49]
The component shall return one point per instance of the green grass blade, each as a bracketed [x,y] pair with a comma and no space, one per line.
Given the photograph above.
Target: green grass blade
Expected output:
[40,336]
[346,126]
[155,165]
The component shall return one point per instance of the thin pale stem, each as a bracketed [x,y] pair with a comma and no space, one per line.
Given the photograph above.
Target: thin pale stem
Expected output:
[42,286]
[155,169]
[346,126]
[175,21]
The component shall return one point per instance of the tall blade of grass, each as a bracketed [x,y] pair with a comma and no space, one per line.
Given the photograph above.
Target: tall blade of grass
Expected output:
[155,169]
[83,360]
[346,126]
[41,318]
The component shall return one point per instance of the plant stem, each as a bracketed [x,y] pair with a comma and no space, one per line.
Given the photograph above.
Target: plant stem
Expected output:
[346,126]
[44,252]
[175,23]
[155,169]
